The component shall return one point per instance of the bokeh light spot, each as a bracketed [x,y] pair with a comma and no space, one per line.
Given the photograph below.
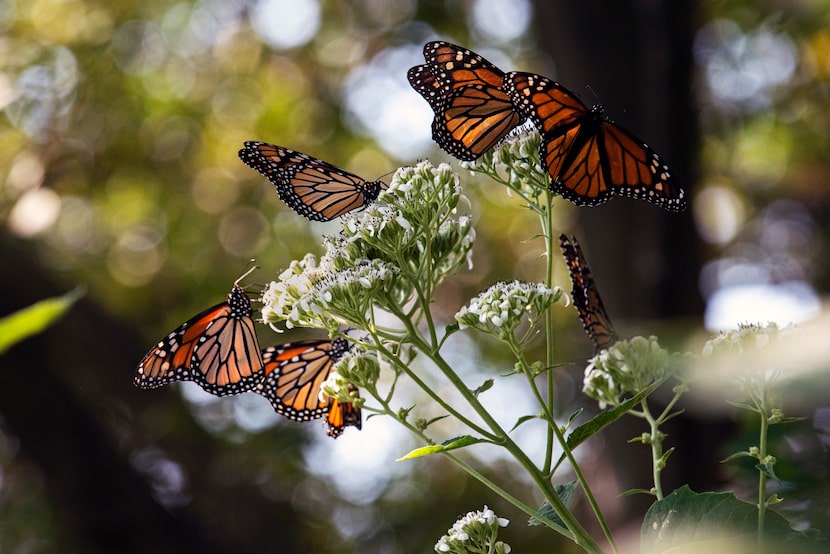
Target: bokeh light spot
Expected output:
[35,212]
[286,24]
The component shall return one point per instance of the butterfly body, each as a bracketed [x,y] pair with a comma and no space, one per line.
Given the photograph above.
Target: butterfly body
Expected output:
[589,157]
[315,189]
[294,376]
[217,349]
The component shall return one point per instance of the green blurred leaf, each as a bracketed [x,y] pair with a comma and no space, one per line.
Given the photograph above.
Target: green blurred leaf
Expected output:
[486,385]
[688,521]
[34,319]
[607,417]
[564,493]
[447,445]
[522,420]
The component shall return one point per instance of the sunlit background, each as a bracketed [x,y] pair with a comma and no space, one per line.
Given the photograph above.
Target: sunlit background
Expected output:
[121,126]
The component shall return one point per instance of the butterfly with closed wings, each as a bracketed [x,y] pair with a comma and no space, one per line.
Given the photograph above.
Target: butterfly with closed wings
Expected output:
[586,296]
[315,189]
[217,349]
[294,375]
[589,157]
[472,112]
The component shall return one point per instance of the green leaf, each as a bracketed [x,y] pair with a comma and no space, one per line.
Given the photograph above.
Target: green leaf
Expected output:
[782,420]
[486,385]
[632,492]
[737,455]
[522,420]
[573,416]
[34,319]
[768,469]
[607,417]
[447,445]
[692,522]
[564,493]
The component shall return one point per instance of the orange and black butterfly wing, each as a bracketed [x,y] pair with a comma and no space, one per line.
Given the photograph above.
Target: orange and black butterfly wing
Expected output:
[454,66]
[170,360]
[313,188]
[633,169]
[341,415]
[586,296]
[227,358]
[472,120]
[588,157]
[472,112]
[425,84]
[569,149]
[295,373]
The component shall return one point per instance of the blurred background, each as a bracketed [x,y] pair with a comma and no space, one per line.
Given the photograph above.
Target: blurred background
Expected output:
[120,130]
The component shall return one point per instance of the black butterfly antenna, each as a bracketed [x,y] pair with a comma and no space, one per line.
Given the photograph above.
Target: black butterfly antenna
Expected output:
[251,270]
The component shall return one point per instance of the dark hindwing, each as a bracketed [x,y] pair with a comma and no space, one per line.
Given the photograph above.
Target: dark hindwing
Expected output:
[588,157]
[586,296]
[315,189]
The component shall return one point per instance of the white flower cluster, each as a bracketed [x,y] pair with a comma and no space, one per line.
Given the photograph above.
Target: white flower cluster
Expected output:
[752,353]
[410,239]
[626,368]
[309,294]
[746,337]
[422,185]
[499,310]
[474,532]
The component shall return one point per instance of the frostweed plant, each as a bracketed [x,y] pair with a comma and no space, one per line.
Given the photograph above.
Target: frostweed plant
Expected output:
[756,373]
[632,368]
[375,284]
[474,533]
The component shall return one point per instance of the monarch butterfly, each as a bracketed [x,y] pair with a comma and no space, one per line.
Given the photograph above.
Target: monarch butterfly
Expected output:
[217,349]
[313,188]
[586,297]
[472,112]
[589,157]
[294,374]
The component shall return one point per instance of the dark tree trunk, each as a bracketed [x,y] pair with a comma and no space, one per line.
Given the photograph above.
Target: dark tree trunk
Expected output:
[635,57]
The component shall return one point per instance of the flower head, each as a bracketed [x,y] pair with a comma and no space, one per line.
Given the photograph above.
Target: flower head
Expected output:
[627,368]
[501,308]
[515,163]
[474,532]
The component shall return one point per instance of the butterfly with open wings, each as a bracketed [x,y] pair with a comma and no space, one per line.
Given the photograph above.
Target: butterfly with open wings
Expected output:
[315,189]
[589,157]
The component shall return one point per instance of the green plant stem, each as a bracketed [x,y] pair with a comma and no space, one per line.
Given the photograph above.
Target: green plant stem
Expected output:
[547,231]
[554,428]
[762,454]
[656,449]
[577,533]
